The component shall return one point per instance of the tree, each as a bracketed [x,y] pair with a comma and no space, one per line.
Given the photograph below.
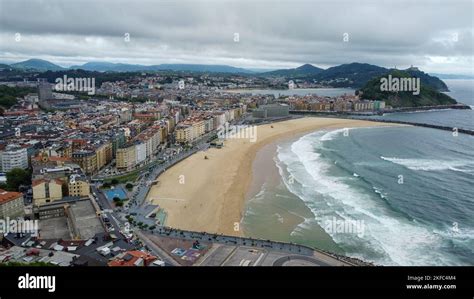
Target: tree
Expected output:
[129,186]
[116,199]
[8,95]
[114,181]
[17,177]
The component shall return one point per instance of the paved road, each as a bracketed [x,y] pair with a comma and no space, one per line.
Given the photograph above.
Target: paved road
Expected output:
[104,202]
[235,241]
[138,204]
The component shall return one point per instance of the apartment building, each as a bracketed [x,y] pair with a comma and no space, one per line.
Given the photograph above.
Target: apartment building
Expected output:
[14,156]
[140,152]
[190,129]
[79,186]
[363,105]
[47,190]
[208,123]
[11,204]
[219,119]
[87,159]
[104,154]
[184,133]
[126,157]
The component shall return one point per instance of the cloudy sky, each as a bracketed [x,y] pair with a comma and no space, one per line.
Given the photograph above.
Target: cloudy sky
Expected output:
[435,35]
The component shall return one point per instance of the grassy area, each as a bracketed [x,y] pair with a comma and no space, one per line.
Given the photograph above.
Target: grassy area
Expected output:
[131,176]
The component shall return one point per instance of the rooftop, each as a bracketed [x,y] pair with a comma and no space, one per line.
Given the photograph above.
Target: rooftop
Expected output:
[133,258]
[6,196]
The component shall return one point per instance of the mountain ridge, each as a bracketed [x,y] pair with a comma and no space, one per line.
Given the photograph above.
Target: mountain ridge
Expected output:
[354,75]
[37,64]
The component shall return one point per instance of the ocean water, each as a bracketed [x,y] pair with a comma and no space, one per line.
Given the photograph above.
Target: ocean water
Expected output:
[416,207]
[409,189]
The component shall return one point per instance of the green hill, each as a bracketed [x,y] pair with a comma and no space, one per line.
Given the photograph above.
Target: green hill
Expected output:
[304,71]
[37,64]
[354,75]
[428,95]
[432,81]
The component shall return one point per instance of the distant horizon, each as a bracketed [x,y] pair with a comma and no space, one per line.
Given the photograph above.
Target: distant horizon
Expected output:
[253,69]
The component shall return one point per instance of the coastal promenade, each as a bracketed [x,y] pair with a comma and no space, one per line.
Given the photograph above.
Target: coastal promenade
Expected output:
[225,250]
[273,253]
[213,195]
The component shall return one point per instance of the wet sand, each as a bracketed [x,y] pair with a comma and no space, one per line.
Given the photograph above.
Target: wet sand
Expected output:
[209,194]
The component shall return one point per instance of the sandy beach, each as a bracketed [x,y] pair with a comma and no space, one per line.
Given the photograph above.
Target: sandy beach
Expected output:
[209,194]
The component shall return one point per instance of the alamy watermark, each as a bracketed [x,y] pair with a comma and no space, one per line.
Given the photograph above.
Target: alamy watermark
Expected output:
[28,281]
[340,226]
[400,84]
[75,84]
[8,225]
[227,131]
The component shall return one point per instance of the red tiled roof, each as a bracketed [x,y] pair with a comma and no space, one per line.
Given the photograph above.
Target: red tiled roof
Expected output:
[40,181]
[135,255]
[6,196]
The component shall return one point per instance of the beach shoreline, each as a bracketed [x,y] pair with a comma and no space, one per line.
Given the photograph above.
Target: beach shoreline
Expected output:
[209,195]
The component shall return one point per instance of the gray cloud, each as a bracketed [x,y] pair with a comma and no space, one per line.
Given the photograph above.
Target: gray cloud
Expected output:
[435,35]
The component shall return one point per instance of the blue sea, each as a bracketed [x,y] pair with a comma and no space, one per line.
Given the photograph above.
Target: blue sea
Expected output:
[412,189]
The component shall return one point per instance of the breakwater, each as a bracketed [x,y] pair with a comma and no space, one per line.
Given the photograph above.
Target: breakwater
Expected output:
[359,116]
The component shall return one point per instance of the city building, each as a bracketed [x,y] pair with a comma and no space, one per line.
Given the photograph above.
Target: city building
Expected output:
[45,92]
[126,157]
[87,159]
[104,154]
[272,110]
[184,133]
[14,156]
[47,190]
[140,152]
[79,186]
[11,204]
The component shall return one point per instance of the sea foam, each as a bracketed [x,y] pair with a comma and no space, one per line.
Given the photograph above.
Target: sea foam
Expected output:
[431,164]
[390,238]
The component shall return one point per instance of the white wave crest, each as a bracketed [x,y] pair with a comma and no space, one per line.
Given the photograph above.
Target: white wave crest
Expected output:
[332,134]
[328,196]
[430,164]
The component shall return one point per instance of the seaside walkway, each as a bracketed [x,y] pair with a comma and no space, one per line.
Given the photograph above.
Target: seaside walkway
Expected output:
[294,253]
